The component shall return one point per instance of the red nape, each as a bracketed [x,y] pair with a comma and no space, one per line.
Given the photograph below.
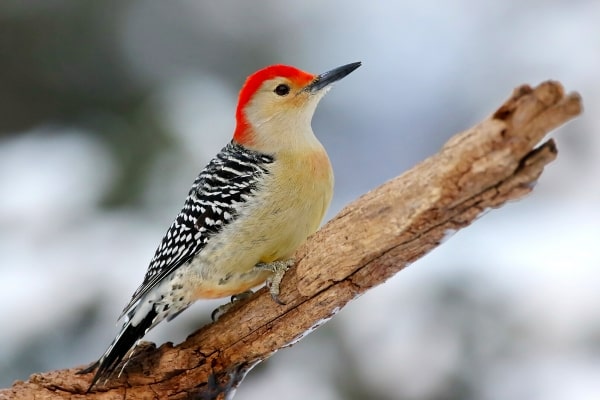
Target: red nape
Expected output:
[253,82]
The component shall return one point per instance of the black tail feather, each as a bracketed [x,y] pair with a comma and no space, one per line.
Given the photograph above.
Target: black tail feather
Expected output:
[119,348]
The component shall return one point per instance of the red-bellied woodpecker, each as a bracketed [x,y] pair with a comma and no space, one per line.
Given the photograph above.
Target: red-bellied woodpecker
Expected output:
[247,211]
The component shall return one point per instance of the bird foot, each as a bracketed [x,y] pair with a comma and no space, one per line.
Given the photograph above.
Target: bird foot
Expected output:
[219,311]
[278,268]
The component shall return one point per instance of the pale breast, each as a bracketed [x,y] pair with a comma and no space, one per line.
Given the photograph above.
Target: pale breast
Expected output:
[288,206]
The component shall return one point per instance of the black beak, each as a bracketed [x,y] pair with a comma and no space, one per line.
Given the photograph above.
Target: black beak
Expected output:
[327,78]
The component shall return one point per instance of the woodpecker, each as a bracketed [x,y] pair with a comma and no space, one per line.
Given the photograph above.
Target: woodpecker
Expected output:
[247,211]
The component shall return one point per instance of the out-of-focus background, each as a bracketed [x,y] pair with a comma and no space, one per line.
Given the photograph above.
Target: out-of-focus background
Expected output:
[108,110]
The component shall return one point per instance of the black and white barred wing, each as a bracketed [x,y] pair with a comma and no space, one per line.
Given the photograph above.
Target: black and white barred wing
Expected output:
[227,182]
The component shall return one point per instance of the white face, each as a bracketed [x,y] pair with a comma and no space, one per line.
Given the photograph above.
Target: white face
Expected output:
[280,115]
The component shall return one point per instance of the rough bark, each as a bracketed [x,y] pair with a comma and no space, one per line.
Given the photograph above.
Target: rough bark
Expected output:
[370,240]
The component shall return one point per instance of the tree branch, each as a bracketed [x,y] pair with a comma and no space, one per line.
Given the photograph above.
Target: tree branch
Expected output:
[366,243]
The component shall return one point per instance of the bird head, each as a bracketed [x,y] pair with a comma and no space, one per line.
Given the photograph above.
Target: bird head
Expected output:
[276,105]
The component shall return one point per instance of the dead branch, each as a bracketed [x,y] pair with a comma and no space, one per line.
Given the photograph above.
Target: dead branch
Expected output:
[366,243]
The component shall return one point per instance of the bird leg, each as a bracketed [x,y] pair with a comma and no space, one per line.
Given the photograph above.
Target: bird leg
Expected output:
[217,312]
[278,268]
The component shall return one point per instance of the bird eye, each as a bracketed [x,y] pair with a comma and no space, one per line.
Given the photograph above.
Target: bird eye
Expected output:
[282,90]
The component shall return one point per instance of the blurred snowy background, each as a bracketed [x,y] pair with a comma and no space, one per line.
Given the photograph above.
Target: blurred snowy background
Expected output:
[108,110]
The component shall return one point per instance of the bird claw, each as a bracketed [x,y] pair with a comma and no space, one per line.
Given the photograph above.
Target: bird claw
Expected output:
[278,268]
[219,311]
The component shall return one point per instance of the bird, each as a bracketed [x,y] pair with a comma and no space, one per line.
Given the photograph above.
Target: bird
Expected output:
[247,211]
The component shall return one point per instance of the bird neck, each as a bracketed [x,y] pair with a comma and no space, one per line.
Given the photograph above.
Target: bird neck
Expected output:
[278,134]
